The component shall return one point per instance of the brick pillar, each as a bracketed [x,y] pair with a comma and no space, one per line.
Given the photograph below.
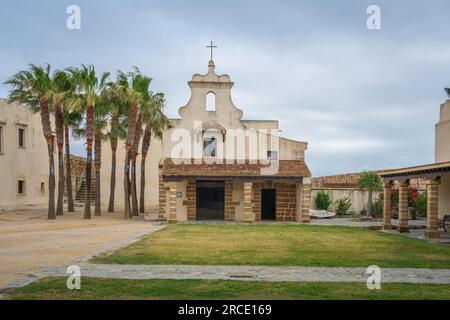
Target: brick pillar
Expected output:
[403,207]
[191,200]
[172,202]
[162,200]
[229,204]
[387,206]
[257,200]
[432,231]
[298,203]
[248,208]
[306,199]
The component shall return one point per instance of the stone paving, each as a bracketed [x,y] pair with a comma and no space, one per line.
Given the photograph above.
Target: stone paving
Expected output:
[250,273]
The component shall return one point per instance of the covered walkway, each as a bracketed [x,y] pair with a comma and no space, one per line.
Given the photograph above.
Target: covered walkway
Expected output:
[437,178]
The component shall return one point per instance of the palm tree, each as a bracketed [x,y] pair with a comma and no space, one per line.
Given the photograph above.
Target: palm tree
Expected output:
[117,130]
[370,181]
[155,122]
[89,87]
[135,86]
[100,124]
[62,88]
[33,87]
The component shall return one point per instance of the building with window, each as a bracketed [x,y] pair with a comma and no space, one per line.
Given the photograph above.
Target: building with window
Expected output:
[23,158]
[215,165]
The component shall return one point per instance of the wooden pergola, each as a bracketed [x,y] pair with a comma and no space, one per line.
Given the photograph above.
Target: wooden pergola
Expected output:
[432,173]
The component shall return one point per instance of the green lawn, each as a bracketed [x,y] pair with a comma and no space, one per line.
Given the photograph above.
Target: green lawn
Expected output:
[95,288]
[287,245]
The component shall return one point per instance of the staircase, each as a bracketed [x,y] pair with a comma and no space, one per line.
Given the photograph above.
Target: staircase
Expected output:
[81,192]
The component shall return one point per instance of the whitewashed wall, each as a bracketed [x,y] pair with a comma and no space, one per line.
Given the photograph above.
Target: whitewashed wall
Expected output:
[358,198]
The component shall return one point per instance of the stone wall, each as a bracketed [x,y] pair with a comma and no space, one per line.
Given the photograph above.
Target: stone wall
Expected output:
[77,168]
[358,198]
[349,181]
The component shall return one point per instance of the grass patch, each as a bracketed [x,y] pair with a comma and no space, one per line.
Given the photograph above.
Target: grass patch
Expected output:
[280,245]
[97,288]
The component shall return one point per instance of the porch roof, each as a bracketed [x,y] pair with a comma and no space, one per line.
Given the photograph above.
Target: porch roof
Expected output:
[427,171]
[189,168]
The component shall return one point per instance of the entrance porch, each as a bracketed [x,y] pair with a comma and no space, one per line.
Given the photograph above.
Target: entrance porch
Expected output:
[234,192]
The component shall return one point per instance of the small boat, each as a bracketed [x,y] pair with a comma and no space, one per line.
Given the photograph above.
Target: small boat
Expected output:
[321,214]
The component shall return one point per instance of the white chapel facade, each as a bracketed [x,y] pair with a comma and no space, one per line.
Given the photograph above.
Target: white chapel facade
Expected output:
[214,165]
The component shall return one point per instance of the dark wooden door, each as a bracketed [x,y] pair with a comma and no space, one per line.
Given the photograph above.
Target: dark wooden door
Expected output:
[210,200]
[268,204]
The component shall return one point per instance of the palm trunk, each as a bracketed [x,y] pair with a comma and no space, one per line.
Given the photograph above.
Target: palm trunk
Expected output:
[59,128]
[97,192]
[112,187]
[89,140]
[369,204]
[134,153]
[98,161]
[131,131]
[126,183]
[141,198]
[59,207]
[145,146]
[134,202]
[88,172]
[51,183]
[47,130]
[68,173]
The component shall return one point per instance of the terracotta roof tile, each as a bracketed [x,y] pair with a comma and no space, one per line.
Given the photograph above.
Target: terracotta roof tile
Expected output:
[187,167]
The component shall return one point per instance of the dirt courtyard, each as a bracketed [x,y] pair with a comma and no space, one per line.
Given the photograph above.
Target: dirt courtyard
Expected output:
[29,241]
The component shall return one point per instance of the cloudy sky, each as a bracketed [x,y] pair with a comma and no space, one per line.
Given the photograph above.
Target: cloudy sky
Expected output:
[362,99]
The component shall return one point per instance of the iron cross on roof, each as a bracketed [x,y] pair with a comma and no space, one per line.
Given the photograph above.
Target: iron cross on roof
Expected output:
[212,47]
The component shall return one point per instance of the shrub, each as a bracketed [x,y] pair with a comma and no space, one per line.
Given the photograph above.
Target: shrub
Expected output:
[421,205]
[378,209]
[363,212]
[413,194]
[343,205]
[322,200]
[412,197]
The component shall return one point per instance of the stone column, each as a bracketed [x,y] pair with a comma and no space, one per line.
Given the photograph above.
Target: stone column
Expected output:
[248,208]
[172,202]
[432,231]
[403,207]
[257,187]
[387,206]
[306,199]
[162,214]
[191,200]
[229,211]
